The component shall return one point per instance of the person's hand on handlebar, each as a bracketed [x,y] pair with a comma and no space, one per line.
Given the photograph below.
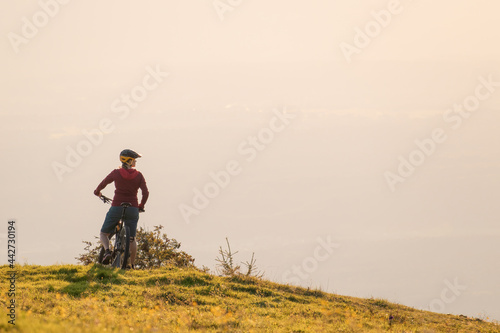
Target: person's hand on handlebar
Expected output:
[104,198]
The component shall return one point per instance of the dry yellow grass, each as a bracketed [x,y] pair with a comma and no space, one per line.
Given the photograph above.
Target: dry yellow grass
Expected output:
[91,298]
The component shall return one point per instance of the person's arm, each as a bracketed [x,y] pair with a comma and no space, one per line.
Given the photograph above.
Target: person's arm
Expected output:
[145,193]
[108,180]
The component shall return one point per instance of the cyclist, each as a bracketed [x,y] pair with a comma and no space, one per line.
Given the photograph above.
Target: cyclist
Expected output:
[127,183]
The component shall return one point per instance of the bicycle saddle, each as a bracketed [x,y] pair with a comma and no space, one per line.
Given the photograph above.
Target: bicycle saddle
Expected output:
[125,204]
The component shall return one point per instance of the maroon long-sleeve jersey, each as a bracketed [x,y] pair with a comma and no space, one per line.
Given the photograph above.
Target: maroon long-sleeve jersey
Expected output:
[127,184]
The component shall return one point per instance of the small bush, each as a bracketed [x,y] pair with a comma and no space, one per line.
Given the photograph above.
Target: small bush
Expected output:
[226,266]
[154,250]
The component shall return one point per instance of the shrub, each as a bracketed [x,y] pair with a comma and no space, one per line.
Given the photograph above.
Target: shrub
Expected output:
[226,266]
[154,249]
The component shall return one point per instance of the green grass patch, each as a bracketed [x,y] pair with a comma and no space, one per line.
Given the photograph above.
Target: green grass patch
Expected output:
[69,298]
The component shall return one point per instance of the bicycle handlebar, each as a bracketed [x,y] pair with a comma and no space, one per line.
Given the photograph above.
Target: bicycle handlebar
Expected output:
[105,199]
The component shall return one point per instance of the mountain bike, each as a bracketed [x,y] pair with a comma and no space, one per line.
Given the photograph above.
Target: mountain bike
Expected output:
[119,243]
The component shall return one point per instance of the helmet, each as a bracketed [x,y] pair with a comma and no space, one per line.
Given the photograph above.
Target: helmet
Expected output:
[127,155]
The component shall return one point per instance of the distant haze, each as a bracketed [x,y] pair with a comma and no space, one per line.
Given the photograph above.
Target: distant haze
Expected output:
[382,182]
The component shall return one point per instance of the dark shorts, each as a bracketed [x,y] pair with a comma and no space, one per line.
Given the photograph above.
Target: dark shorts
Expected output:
[113,216]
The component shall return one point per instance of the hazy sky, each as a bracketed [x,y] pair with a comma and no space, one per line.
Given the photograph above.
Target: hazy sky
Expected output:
[371,126]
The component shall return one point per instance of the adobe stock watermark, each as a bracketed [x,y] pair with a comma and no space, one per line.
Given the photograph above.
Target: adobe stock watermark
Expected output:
[454,116]
[363,37]
[322,252]
[30,27]
[222,7]
[121,107]
[448,295]
[249,149]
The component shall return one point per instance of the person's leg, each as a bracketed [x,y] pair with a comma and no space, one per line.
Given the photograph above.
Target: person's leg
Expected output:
[133,251]
[104,237]
[112,218]
[131,219]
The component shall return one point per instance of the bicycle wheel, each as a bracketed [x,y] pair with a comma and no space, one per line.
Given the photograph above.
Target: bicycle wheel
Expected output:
[120,252]
[101,255]
[117,253]
[125,246]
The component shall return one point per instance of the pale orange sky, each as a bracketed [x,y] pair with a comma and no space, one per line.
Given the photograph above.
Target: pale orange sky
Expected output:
[321,176]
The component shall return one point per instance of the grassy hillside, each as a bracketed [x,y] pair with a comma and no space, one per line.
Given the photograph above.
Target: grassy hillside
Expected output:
[94,299]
